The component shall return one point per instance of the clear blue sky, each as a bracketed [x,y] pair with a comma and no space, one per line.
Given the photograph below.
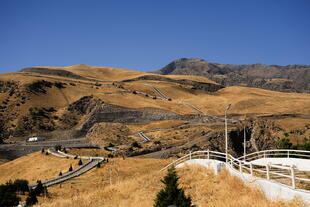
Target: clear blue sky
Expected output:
[146,35]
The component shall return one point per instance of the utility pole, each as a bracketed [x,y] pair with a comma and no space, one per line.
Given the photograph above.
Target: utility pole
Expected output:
[226,137]
[244,142]
[110,172]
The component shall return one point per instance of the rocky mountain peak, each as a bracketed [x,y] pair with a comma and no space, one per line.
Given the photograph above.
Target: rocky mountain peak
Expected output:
[290,78]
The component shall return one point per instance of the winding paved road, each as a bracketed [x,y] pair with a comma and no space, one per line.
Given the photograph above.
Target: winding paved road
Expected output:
[93,162]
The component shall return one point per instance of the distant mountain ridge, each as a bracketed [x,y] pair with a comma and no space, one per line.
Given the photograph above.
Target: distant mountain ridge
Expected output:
[290,78]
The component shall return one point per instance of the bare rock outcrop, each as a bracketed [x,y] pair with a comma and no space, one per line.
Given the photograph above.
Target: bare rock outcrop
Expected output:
[290,78]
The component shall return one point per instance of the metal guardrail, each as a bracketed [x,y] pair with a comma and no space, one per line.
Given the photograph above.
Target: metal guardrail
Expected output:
[144,137]
[158,91]
[287,175]
[193,107]
[182,102]
[93,161]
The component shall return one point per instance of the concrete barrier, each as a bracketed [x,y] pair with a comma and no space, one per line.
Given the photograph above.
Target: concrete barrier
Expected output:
[271,189]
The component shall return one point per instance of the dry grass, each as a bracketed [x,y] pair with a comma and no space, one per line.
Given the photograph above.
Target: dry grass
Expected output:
[104,73]
[116,74]
[253,100]
[136,182]
[191,77]
[140,86]
[140,101]
[223,190]
[173,136]
[155,125]
[105,133]
[245,100]
[81,191]
[292,123]
[87,152]
[35,166]
[116,133]
[292,126]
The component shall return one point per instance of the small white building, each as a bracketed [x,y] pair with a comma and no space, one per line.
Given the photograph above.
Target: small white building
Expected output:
[35,139]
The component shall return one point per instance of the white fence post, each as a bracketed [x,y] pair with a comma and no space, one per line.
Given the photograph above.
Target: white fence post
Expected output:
[251,168]
[267,170]
[293,177]
[240,166]
[288,154]
[208,154]
[264,154]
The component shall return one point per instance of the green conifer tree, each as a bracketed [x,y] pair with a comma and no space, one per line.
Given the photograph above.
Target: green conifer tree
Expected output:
[39,188]
[21,186]
[171,194]
[31,199]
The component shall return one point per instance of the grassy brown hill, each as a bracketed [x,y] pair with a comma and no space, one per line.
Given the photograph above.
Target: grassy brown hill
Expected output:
[290,78]
[93,102]
[135,182]
[109,107]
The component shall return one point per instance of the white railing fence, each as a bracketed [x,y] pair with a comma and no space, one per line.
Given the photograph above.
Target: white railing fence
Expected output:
[287,175]
[279,153]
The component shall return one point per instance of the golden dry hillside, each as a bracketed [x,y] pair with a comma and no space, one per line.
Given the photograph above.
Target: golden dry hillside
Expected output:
[35,166]
[109,107]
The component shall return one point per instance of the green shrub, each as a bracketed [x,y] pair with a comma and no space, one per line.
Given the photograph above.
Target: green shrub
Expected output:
[8,195]
[80,162]
[306,145]
[136,144]
[284,143]
[57,147]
